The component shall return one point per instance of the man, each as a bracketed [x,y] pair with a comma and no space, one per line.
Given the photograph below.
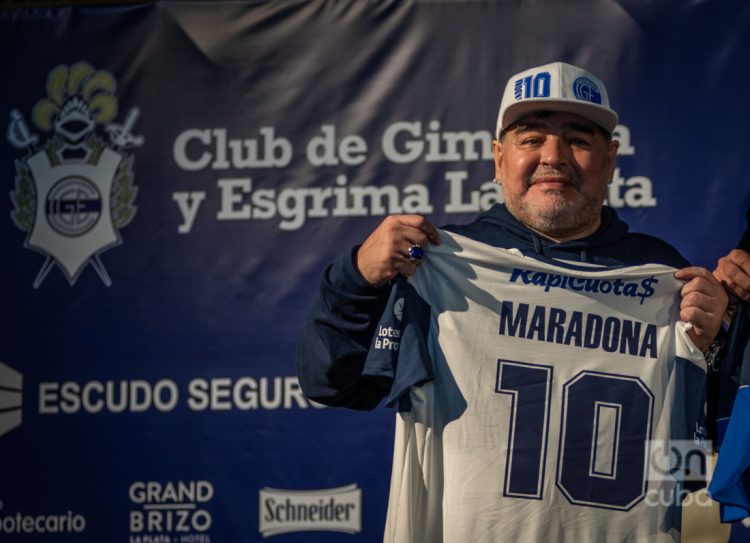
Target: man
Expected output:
[731,480]
[536,351]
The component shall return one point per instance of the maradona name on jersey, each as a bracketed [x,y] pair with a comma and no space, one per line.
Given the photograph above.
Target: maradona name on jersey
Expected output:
[617,287]
[584,330]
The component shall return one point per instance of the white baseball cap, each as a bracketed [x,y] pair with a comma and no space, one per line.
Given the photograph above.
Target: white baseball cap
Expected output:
[556,87]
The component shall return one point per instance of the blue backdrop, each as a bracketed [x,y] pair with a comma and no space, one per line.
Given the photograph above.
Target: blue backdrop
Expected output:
[176,175]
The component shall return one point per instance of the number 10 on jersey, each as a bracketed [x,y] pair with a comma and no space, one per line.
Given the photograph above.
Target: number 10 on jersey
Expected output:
[605,428]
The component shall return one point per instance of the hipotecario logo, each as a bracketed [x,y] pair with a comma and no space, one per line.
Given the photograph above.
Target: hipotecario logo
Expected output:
[74,192]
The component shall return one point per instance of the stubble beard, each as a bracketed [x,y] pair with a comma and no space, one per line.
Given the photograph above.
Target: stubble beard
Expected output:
[556,217]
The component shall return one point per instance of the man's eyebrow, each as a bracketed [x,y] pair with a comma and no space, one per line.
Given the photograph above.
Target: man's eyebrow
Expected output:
[579,127]
[528,126]
[568,126]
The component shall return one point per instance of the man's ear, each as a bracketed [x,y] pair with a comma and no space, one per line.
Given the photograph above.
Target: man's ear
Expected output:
[497,151]
[611,160]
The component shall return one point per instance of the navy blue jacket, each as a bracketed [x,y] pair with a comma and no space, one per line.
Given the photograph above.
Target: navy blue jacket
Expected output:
[339,331]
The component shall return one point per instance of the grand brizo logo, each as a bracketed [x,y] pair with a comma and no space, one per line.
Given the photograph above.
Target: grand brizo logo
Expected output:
[74,192]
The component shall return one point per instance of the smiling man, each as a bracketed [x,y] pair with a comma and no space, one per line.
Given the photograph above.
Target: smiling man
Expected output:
[552,165]
[537,355]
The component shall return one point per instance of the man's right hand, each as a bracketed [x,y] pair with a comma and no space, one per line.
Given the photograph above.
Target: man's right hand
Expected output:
[733,271]
[385,253]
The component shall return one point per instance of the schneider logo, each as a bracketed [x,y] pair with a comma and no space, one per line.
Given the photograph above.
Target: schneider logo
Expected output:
[74,191]
[332,509]
[171,508]
[11,387]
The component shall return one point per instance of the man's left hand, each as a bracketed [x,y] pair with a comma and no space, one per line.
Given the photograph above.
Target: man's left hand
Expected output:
[703,304]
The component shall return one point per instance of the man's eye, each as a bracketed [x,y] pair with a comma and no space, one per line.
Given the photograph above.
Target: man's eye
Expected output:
[578,141]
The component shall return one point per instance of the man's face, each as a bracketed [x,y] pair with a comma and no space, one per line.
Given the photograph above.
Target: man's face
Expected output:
[554,168]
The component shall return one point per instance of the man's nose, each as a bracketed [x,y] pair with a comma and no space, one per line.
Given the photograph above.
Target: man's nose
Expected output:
[554,151]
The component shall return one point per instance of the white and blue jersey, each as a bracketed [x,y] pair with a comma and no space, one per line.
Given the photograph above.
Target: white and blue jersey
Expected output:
[534,396]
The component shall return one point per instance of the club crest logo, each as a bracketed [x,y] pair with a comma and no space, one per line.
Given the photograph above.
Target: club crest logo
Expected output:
[74,192]
[586,90]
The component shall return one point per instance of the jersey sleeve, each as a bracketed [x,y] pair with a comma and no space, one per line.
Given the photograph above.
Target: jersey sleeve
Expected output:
[362,345]
[336,338]
[398,357]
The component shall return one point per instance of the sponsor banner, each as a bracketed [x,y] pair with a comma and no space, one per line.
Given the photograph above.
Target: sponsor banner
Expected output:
[46,524]
[175,177]
[170,511]
[165,395]
[332,509]
[142,395]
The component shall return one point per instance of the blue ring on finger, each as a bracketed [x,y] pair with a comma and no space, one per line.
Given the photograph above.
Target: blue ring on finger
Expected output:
[415,252]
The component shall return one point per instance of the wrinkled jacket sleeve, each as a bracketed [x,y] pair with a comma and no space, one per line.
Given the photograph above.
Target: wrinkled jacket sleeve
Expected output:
[361,344]
[336,338]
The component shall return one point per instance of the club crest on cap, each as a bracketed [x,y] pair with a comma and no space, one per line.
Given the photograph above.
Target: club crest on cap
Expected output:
[585,89]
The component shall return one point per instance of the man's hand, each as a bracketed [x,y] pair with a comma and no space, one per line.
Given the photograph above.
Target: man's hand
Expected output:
[385,253]
[733,271]
[703,304]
